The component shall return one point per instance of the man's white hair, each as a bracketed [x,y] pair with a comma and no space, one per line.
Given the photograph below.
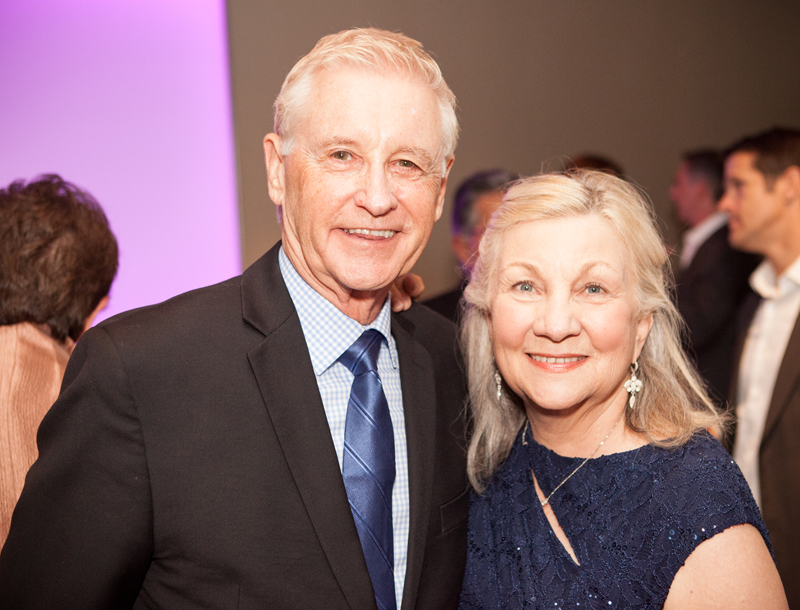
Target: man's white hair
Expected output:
[372,49]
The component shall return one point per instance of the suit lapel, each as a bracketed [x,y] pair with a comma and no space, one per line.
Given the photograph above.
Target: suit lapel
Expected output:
[786,383]
[285,376]
[419,405]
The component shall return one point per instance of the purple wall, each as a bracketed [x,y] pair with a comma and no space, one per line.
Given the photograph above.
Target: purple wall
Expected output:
[129,99]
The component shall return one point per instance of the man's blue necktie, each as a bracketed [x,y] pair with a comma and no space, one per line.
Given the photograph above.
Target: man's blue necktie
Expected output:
[368,464]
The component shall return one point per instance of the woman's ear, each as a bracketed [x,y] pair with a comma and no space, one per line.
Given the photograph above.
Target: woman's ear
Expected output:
[643,327]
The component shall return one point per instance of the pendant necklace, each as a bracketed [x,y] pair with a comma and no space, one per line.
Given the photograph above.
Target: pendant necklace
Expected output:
[546,501]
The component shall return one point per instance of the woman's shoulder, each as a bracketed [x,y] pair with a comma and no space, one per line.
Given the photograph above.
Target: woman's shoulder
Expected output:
[700,485]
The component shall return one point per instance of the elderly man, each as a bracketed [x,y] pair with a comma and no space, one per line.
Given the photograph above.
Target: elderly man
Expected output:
[762,198]
[280,440]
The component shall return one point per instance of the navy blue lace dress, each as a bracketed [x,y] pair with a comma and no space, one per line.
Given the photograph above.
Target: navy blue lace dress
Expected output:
[632,519]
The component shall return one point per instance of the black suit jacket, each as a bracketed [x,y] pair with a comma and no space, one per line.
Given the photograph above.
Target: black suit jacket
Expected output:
[188,463]
[709,293]
[779,456]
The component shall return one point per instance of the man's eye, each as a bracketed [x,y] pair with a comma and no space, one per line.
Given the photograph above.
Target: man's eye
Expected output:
[406,163]
[341,155]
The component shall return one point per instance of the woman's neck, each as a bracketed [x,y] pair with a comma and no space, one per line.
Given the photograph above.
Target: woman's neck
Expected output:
[578,431]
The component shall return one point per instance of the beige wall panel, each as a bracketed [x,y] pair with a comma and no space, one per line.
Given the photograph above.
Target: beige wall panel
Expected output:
[538,81]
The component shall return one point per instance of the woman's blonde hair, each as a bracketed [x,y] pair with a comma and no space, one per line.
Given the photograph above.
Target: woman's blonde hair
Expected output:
[673,404]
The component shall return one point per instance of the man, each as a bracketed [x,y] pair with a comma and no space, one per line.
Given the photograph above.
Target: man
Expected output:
[712,280]
[58,258]
[762,198]
[201,453]
[476,200]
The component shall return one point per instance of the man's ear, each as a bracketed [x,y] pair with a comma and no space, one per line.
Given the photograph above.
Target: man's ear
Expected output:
[791,178]
[443,188]
[276,169]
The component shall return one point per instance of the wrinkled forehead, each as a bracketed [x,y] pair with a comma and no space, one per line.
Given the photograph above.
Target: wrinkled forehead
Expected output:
[363,100]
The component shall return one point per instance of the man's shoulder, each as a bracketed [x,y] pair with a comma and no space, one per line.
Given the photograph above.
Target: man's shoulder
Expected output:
[194,306]
[204,309]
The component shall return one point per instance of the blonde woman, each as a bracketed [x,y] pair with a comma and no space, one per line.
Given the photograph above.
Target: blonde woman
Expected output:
[597,483]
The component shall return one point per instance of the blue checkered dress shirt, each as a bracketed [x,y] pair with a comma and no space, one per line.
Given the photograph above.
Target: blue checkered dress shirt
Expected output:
[328,333]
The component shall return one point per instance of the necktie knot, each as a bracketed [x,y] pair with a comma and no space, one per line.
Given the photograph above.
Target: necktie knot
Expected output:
[362,356]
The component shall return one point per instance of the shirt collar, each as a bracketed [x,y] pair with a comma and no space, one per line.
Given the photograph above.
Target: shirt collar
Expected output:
[769,285]
[693,238]
[328,331]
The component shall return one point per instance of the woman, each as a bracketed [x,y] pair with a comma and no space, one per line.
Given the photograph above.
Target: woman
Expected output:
[598,485]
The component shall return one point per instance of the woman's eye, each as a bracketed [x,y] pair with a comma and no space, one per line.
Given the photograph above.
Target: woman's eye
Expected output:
[524,287]
[341,155]
[594,289]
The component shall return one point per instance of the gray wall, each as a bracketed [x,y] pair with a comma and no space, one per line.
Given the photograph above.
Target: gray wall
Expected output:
[538,81]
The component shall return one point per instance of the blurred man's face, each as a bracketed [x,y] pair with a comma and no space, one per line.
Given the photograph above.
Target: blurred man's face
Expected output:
[364,182]
[755,212]
[466,246]
[691,196]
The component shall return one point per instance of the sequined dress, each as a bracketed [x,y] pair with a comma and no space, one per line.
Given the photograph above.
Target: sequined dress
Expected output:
[632,519]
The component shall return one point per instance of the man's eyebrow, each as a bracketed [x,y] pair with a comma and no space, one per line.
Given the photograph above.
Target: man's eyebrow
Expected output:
[336,141]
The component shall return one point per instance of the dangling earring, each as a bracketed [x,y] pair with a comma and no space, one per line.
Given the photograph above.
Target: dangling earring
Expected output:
[498,381]
[633,385]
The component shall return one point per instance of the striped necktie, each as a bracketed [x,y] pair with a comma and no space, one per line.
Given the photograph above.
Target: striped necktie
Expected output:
[368,464]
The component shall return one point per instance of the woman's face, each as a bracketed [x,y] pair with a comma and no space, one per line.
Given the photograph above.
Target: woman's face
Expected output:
[564,319]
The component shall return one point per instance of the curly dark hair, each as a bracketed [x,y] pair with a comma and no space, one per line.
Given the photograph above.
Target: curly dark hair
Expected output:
[58,255]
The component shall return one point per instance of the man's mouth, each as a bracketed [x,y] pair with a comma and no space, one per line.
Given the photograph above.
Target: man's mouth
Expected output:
[373,233]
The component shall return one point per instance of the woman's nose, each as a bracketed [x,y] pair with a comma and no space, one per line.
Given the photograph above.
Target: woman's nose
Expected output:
[556,319]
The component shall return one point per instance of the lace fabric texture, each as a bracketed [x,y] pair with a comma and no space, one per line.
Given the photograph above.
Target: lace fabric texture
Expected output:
[632,519]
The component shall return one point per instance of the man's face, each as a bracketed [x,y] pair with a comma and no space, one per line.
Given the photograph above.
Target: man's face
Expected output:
[755,211]
[685,193]
[364,182]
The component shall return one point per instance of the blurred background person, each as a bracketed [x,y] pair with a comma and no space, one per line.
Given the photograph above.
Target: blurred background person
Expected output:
[762,199]
[58,258]
[477,197]
[599,486]
[594,161]
[712,277]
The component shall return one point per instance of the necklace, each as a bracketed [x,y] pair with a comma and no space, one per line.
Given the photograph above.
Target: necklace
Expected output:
[546,501]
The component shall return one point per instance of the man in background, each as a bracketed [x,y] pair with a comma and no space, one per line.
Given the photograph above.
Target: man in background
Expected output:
[712,277]
[477,198]
[762,199]
[58,258]
[280,440]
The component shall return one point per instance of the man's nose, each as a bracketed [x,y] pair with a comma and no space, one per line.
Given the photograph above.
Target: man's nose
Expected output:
[377,193]
[724,204]
[555,319]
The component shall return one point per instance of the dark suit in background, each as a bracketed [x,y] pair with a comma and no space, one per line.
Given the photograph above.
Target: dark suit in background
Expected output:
[213,480]
[447,304]
[709,293]
[779,454]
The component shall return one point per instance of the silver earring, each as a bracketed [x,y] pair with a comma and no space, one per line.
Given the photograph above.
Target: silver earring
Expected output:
[498,381]
[633,385]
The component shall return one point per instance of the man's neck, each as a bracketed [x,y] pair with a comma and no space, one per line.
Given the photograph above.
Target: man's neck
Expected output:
[361,306]
[784,248]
